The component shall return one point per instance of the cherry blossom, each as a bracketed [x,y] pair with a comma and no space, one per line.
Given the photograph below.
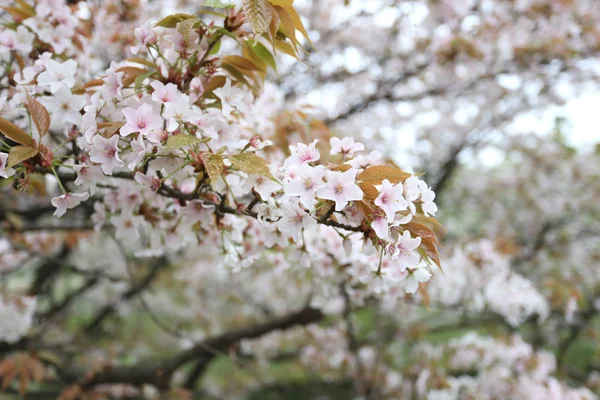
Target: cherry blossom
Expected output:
[294,221]
[264,186]
[416,276]
[163,93]
[5,172]
[306,182]
[341,188]
[143,120]
[345,146]
[231,98]
[106,153]
[65,107]
[403,251]
[303,154]
[58,74]
[391,199]
[67,201]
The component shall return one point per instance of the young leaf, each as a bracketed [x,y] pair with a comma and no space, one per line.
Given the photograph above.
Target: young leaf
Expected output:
[263,53]
[240,63]
[15,133]
[182,140]
[111,128]
[422,231]
[287,23]
[130,73]
[213,163]
[370,191]
[184,27]
[215,82]
[377,173]
[285,47]
[250,163]
[39,115]
[259,15]
[171,21]
[142,61]
[297,21]
[139,80]
[281,2]
[20,153]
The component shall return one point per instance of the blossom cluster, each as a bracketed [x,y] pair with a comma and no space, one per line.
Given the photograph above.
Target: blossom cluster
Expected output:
[175,149]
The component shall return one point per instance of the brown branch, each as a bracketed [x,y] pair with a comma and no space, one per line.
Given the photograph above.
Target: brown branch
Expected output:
[159,372]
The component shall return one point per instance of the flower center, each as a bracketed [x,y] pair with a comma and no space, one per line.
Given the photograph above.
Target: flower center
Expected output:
[338,188]
[308,183]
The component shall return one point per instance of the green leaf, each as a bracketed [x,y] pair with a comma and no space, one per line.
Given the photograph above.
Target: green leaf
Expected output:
[182,140]
[216,4]
[215,49]
[263,53]
[15,133]
[213,163]
[250,163]
[20,153]
[171,21]
[140,80]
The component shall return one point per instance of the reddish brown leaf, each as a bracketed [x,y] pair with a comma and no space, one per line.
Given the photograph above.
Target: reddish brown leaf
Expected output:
[15,133]
[377,173]
[39,115]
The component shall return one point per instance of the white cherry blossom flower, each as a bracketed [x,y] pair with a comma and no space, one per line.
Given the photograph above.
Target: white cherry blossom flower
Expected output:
[341,188]
[427,197]
[391,199]
[67,201]
[106,153]
[58,74]
[345,146]
[416,276]
[306,182]
[232,97]
[143,120]
[293,221]
[404,251]
[303,154]
[64,107]
[5,172]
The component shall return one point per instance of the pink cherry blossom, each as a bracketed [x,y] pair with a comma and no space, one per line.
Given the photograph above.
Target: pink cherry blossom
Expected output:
[303,154]
[391,199]
[365,161]
[294,221]
[306,182]
[150,182]
[143,120]
[341,188]
[345,146]
[67,201]
[164,93]
[404,251]
[106,153]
